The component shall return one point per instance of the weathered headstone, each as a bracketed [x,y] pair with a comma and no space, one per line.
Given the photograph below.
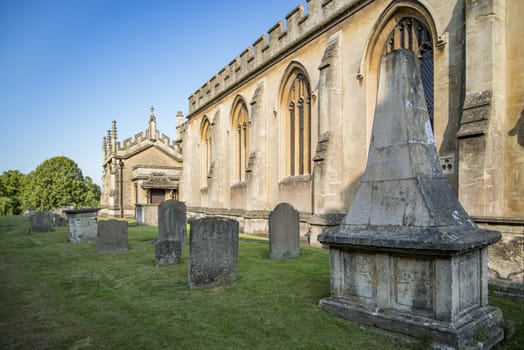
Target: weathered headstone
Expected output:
[82,224]
[61,216]
[172,221]
[284,232]
[60,220]
[112,236]
[168,252]
[213,252]
[407,258]
[41,221]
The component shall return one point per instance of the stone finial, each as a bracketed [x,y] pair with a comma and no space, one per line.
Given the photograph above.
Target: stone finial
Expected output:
[114,131]
[152,124]
[179,118]
[152,113]
[109,139]
[114,135]
[104,145]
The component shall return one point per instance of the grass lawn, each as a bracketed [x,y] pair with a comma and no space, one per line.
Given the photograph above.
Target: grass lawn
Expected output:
[58,295]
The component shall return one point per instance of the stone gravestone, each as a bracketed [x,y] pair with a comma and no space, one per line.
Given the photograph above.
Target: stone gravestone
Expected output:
[168,252]
[171,232]
[172,221]
[82,224]
[284,232]
[41,221]
[407,258]
[111,236]
[60,221]
[61,216]
[213,252]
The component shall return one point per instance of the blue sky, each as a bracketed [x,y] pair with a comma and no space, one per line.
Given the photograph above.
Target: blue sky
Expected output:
[69,67]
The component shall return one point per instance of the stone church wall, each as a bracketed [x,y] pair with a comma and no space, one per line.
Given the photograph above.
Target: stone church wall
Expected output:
[335,44]
[478,124]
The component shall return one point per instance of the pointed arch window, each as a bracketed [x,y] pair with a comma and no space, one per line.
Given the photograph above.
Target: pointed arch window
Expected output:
[241,126]
[298,124]
[412,34]
[205,136]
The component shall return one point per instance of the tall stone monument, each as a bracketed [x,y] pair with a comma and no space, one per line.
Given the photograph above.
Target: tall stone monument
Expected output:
[407,257]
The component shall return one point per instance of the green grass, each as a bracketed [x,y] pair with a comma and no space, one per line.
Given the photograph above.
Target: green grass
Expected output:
[58,295]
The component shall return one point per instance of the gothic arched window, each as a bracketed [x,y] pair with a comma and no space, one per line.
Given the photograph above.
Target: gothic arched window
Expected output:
[241,126]
[297,100]
[205,138]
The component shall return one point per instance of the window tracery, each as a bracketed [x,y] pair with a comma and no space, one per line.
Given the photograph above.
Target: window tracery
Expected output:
[297,94]
[205,150]
[241,125]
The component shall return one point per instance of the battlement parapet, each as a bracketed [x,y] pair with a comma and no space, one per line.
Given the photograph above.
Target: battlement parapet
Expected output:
[130,145]
[167,140]
[299,25]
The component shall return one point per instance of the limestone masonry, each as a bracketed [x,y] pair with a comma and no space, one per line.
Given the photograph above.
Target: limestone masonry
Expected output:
[290,119]
[407,257]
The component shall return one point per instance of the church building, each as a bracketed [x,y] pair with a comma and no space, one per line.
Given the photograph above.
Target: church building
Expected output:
[290,118]
[139,173]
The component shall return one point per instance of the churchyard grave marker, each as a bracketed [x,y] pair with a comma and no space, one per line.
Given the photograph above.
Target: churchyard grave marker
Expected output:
[284,232]
[407,257]
[82,224]
[213,252]
[172,223]
[41,221]
[112,236]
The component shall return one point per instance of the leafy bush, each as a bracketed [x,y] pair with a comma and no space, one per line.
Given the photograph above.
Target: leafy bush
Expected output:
[6,206]
[58,181]
[11,185]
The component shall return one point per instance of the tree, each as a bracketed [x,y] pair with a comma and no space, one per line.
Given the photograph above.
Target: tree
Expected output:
[92,197]
[6,206]
[11,185]
[58,181]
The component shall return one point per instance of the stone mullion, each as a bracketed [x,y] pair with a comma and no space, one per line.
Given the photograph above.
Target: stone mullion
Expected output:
[292,139]
[301,138]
